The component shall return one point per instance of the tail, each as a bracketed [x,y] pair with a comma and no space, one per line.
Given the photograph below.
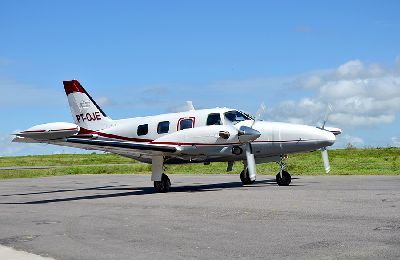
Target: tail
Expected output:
[85,112]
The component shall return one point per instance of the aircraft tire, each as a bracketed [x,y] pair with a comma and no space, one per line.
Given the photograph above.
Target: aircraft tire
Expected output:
[164,185]
[285,180]
[245,178]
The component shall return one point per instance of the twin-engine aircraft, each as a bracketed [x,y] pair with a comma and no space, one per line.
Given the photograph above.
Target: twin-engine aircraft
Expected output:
[194,136]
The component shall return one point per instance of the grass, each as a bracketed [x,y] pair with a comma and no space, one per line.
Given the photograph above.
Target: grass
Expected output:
[372,161]
[63,159]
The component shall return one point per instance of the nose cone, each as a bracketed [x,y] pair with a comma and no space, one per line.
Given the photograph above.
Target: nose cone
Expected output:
[248,134]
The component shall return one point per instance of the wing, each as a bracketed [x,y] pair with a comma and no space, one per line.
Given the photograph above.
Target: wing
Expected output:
[122,144]
[126,148]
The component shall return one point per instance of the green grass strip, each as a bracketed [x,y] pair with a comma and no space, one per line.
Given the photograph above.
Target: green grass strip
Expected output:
[371,161]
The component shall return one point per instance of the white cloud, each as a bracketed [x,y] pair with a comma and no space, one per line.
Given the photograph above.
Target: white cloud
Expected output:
[341,89]
[396,141]
[349,140]
[356,69]
[361,95]
[312,81]
[350,69]
[102,101]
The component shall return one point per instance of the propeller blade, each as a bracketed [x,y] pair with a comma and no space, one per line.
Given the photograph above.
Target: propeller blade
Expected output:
[328,112]
[325,158]
[260,112]
[251,162]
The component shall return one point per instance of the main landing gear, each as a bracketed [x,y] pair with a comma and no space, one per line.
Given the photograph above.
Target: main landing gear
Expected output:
[161,180]
[283,178]
[245,177]
[163,185]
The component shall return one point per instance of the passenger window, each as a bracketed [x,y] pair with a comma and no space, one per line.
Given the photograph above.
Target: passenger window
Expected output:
[186,123]
[214,119]
[163,127]
[142,129]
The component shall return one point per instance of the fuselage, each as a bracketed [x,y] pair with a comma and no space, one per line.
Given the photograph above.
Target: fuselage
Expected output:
[196,132]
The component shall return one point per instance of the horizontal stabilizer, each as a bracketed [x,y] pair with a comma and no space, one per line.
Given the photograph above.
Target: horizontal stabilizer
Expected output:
[50,131]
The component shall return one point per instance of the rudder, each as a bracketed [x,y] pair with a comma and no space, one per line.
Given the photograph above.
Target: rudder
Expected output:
[85,111]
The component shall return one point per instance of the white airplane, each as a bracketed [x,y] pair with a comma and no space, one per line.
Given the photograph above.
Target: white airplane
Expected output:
[194,136]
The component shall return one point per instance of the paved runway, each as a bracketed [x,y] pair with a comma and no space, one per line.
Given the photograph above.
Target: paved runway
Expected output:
[204,217]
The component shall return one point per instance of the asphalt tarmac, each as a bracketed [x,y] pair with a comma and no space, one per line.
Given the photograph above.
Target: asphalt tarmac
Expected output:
[203,217]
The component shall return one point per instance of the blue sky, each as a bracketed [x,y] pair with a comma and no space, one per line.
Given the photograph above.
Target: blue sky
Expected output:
[148,57]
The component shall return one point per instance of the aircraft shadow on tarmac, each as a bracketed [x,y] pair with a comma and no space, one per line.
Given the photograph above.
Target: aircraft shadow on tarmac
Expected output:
[134,191]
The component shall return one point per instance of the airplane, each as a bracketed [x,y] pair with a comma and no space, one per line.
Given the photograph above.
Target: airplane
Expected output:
[194,136]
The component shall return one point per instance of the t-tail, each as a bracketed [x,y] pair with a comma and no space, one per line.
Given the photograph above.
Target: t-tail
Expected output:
[85,112]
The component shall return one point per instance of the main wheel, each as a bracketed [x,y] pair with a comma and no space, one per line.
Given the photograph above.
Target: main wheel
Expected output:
[163,185]
[245,178]
[285,180]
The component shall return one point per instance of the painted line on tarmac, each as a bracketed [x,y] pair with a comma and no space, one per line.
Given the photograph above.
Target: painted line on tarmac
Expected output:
[12,254]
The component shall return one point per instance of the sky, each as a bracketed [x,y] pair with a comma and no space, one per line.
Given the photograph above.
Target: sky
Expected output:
[140,58]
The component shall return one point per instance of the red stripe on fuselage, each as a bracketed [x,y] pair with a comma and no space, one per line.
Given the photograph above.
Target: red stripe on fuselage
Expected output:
[139,140]
[72,86]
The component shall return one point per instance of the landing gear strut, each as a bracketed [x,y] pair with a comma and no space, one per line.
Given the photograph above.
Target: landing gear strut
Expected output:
[163,185]
[245,177]
[161,181]
[283,178]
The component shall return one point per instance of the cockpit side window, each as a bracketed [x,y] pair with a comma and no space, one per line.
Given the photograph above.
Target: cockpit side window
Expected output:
[214,119]
[235,116]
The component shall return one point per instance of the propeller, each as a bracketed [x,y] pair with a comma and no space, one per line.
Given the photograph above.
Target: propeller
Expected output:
[251,162]
[324,151]
[325,158]
[247,135]
[328,112]
[260,112]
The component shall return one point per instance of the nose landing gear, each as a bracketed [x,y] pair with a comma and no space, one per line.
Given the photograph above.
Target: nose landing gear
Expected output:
[283,178]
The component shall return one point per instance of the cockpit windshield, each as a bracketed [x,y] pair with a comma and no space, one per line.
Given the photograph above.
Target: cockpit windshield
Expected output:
[235,116]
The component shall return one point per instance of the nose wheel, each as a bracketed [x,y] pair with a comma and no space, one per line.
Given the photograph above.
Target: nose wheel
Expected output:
[283,179]
[163,185]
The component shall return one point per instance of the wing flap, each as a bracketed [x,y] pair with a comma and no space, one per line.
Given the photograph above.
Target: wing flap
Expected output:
[123,144]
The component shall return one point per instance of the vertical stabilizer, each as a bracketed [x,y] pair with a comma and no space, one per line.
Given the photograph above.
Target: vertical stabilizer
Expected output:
[85,112]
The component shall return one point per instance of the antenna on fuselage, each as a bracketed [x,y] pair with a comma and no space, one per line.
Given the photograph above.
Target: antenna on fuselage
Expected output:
[189,105]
